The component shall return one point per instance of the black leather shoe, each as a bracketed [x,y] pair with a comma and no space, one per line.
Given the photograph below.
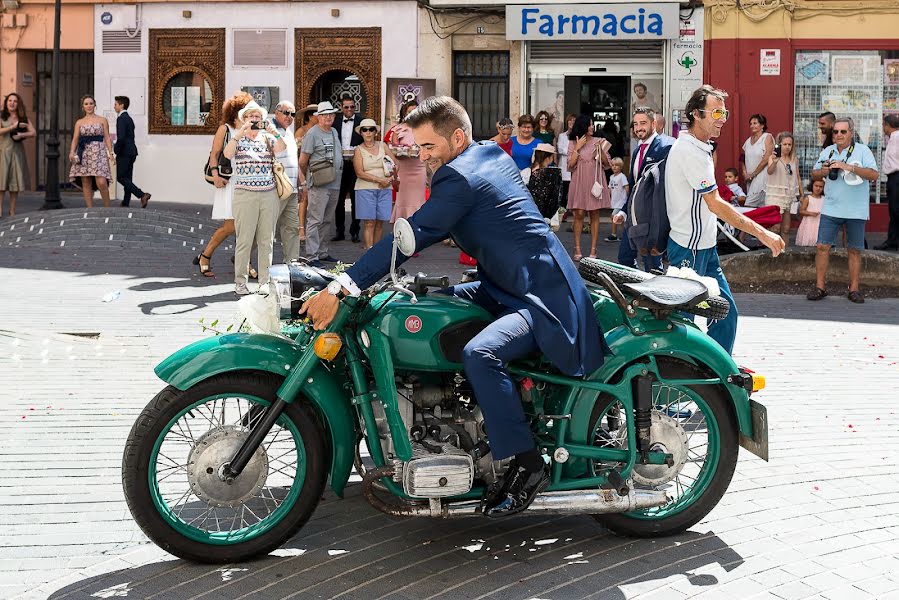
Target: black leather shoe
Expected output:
[338,238]
[355,239]
[519,489]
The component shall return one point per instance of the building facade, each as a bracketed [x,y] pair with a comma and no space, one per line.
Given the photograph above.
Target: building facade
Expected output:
[792,63]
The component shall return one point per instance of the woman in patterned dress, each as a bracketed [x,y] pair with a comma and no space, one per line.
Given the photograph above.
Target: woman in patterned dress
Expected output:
[91,153]
[14,127]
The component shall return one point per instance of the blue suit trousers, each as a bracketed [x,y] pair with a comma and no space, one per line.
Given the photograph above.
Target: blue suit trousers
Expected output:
[507,338]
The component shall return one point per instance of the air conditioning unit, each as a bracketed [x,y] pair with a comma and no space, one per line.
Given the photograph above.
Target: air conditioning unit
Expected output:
[10,4]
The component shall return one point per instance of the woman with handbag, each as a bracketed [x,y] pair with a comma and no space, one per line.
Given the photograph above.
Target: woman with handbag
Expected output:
[218,170]
[589,192]
[254,203]
[374,164]
[411,171]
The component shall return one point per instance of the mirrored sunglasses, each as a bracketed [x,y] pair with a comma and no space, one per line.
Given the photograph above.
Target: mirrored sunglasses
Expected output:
[288,113]
[367,129]
[717,113]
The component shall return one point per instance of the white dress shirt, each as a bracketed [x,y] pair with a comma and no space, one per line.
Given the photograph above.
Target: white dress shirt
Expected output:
[891,154]
[346,132]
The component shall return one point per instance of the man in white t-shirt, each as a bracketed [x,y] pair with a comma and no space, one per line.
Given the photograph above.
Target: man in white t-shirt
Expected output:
[694,205]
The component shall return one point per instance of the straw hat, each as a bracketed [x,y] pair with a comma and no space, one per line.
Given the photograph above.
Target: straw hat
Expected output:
[325,108]
[310,108]
[368,123]
[544,147]
[252,107]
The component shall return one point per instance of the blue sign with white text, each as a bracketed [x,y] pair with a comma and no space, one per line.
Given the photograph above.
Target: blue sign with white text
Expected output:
[631,21]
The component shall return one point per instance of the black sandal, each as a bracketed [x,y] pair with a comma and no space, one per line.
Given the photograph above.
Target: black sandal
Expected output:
[856,296]
[816,294]
[205,270]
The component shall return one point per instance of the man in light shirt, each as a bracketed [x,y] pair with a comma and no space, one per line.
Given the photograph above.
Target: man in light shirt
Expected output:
[288,222]
[891,168]
[694,204]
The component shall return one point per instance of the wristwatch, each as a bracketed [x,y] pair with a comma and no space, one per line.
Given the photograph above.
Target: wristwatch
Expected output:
[335,289]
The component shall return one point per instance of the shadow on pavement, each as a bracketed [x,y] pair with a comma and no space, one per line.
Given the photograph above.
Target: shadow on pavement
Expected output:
[348,550]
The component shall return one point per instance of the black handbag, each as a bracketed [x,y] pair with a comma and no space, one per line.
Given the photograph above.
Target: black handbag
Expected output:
[224,164]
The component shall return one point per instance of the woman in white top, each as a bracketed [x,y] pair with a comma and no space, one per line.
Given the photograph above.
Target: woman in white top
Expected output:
[756,150]
[562,157]
[374,164]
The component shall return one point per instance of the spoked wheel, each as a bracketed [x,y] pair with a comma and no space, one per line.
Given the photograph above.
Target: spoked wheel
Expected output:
[173,470]
[692,423]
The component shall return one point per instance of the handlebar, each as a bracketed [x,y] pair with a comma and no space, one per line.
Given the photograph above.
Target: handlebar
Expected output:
[422,282]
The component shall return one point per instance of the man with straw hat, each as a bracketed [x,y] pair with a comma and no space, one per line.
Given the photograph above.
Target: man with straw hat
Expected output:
[321,167]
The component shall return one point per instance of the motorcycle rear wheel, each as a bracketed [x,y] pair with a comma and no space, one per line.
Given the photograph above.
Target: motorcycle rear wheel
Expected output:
[173,453]
[700,483]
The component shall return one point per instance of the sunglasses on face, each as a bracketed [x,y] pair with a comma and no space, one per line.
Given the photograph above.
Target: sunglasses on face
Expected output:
[542,118]
[288,113]
[717,113]
[368,129]
[841,131]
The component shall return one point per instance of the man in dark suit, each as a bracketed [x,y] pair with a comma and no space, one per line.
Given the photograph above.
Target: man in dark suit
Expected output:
[126,152]
[349,139]
[527,282]
[653,147]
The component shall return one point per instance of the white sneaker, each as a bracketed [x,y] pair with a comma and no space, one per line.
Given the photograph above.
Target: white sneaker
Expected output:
[241,289]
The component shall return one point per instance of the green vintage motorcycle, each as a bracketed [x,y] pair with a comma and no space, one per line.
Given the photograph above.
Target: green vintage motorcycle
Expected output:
[230,460]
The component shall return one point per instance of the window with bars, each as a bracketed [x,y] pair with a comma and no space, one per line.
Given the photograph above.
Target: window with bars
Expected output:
[863,85]
[481,84]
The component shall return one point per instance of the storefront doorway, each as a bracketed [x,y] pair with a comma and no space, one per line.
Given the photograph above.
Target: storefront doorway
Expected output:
[606,101]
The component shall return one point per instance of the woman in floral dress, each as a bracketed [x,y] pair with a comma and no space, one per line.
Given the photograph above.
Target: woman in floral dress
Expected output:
[91,153]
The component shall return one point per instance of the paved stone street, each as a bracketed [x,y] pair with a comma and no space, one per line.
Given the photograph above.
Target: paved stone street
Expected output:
[84,323]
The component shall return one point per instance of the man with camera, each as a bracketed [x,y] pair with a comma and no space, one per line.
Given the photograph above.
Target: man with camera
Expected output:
[847,167]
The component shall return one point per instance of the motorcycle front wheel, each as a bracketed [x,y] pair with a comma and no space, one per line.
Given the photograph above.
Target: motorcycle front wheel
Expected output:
[171,470]
[693,423]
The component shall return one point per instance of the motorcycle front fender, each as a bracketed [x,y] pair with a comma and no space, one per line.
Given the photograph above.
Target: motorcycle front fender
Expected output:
[262,352]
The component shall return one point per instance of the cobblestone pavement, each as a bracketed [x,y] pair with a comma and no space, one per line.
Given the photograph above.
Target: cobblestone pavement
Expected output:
[820,520]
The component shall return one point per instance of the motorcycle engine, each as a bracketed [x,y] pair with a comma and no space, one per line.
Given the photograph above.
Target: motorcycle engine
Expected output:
[449,441]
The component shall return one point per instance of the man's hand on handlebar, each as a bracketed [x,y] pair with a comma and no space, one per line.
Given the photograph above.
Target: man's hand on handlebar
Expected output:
[321,308]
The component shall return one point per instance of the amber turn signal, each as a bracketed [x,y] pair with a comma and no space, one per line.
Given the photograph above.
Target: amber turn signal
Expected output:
[327,345]
[758,382]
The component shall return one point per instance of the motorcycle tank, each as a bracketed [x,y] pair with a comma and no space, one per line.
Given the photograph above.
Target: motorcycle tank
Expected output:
[430,334]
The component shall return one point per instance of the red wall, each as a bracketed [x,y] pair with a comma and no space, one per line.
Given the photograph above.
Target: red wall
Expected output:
[733,65]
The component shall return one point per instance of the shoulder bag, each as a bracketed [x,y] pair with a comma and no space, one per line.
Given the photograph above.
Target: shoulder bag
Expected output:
[224,164]
[322,171]
[596,190]
[283,185]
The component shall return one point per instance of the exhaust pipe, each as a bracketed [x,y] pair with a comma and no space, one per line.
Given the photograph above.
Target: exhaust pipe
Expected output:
[590,502]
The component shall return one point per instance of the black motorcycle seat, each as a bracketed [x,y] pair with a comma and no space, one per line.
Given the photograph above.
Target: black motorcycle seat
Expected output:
[668,292]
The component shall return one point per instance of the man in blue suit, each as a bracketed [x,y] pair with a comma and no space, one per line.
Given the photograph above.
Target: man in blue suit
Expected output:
[653,147]
[126,152]
[526,280]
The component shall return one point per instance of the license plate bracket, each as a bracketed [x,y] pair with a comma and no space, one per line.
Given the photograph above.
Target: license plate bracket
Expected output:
[758,443]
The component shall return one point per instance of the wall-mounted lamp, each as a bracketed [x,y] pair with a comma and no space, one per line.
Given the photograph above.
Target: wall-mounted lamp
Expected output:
[186,14]
[335,12]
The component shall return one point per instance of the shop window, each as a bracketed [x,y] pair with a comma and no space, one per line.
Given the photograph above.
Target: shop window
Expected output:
[186,80]
[481,84]
[862,85]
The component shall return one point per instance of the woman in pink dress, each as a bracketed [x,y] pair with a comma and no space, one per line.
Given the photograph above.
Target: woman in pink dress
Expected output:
[810,211]
[587,158]
[91,152]
[410,170]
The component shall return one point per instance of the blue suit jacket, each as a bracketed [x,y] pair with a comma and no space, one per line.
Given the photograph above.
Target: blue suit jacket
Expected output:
[124,142]
[480,200]
[658,150]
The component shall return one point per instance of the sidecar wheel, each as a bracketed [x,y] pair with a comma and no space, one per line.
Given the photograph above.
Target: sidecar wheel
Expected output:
[701,417]
[173,453]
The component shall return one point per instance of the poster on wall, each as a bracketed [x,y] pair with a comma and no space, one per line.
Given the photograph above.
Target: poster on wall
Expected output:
[267,97]
[192,102]
[855,69]
[812,68]
[769,61]
[685,70]
[891,71]
[646,92]
[177,106]
[403,89]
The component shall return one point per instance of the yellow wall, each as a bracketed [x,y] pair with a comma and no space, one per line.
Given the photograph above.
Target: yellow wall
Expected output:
[827,19]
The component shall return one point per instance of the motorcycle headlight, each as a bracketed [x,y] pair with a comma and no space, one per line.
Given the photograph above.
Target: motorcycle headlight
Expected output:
[290,282]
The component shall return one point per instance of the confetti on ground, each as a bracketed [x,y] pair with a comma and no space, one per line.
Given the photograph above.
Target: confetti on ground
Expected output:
[336,552]
[288,552]
[473,547]
[544,542]
[574,556]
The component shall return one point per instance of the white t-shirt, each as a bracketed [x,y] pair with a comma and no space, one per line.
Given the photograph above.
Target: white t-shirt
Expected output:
[618,186]
[690,174]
